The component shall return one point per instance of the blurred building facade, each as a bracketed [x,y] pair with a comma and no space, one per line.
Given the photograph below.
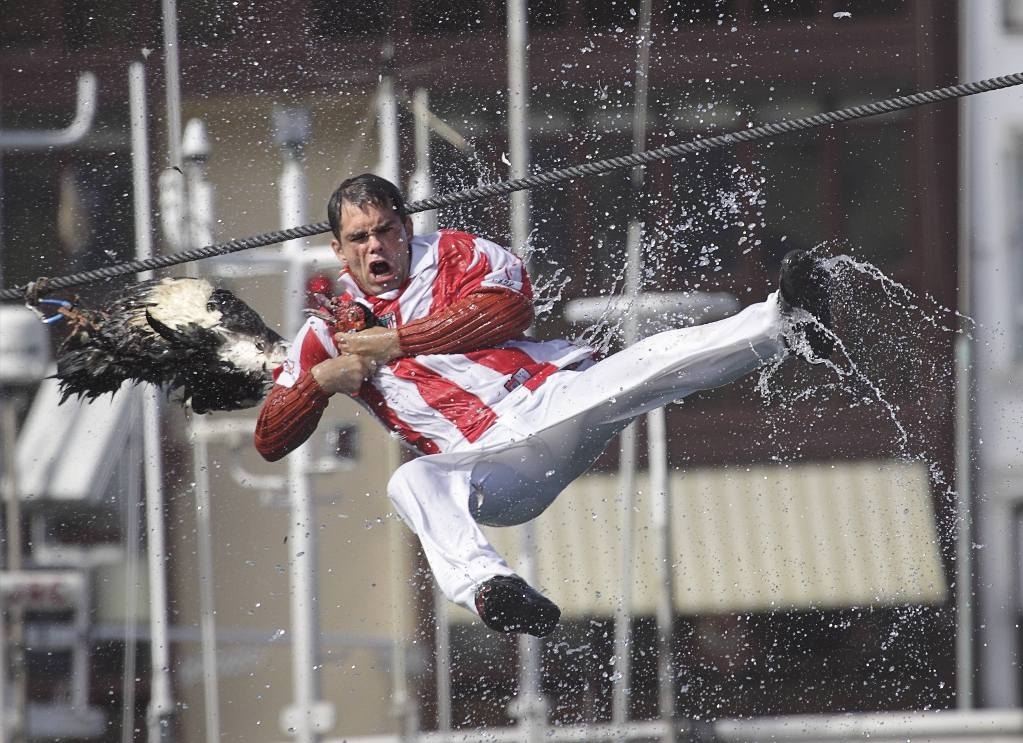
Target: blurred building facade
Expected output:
[814,546]
[993,242]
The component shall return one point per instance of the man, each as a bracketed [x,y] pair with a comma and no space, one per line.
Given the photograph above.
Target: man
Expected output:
[503,422]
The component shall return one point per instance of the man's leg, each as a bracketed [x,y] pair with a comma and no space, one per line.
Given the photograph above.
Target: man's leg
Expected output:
[431,495]
[667,367]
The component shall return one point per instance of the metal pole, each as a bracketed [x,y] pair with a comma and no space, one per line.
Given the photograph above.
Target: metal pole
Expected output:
[132,540]
[5,708]
[421,183]
[16,639]
[161,704]
[307,717]
[387,117]
[442,652]
[172,73]
[207,606]
[627,463]
[198,219]
[964,464]
[661,507]
[530,707]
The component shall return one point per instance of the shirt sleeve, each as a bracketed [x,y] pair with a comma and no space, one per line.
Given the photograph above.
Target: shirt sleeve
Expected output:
[468,264]
[483,319]
[289,416]
[296,402]
[481,298]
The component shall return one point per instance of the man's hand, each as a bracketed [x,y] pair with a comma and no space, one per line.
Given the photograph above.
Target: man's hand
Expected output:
[379,345]
[345,373]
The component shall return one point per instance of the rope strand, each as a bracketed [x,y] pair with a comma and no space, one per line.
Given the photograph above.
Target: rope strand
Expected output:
[547,178]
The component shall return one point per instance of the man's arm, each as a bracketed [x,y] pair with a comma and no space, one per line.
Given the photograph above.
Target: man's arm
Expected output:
[479,320]
[290,414]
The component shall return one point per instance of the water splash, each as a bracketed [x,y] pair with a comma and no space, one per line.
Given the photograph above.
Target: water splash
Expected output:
[849,376]
[902,295]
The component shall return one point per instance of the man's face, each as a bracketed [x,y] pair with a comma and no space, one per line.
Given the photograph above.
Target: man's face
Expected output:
[374,245]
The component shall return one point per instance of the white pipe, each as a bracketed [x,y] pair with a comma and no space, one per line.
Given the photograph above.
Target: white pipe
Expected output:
[172,75]
[627,463]
[161,703]
[387,118]
[421,184]
[442,651]
[965,466]
[657,433]
[131,593]
[6,712]
[8,435]
[207,607]
[85,112]
[140,164]
[530,707]
[301,532]
[627,480]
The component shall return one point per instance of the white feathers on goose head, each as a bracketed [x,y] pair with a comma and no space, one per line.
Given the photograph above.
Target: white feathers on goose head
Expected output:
[203,344]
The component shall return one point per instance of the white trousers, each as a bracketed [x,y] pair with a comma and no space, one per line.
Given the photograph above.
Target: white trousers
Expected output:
[544,439]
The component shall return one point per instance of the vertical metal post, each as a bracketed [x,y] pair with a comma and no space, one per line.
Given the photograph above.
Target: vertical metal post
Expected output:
[442,652]
[160,704]
[132,486]
[16,732]
[964,412]
[387,118]
[307,717]
[530,708]
[388,166]
[5,718]
[661,509]
[207,610]
[197,221]
[633,286]
[172,77]
[421,183]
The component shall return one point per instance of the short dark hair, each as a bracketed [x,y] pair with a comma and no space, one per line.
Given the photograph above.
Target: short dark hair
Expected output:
[360,190]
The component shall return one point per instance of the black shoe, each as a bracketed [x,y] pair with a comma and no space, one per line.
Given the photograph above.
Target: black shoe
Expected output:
[806,283]
[506,603]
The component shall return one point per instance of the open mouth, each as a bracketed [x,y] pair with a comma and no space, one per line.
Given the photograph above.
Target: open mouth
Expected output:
[379,268]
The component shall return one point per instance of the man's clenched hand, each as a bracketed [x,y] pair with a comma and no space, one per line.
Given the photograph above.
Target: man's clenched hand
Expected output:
[379,345]
[344,373]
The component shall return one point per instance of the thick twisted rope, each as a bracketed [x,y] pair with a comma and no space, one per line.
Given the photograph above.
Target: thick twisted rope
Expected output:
[532,181]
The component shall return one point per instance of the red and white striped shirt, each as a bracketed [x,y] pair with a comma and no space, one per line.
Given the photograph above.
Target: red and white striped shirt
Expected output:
[440,402]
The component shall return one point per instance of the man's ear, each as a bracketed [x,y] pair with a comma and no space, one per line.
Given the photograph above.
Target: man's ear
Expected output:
[408,227]
[335,245]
